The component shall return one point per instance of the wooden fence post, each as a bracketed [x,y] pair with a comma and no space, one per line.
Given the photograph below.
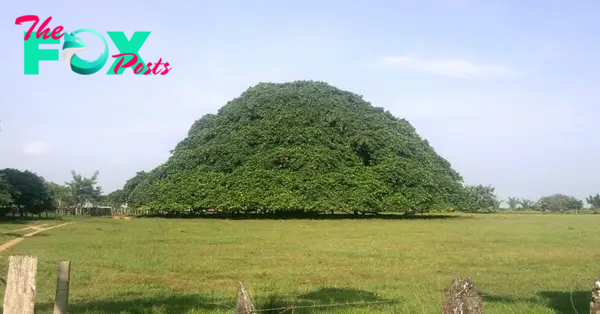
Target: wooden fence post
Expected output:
[461,297]
[62,287]
[595,304]
[244,304]
[19,296]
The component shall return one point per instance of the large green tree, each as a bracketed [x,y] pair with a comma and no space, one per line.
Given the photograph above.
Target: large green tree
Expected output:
[300,146]
[27,190]
[121,197]
[130,186]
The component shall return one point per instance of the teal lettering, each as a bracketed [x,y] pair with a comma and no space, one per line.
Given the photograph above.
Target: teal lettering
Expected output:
[128,46]
[32,54]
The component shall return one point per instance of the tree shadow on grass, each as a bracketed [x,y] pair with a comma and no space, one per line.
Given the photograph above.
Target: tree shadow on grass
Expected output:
[14,222]
[562,302]
[322,300]
[159,304]
[488,298]
[305,303]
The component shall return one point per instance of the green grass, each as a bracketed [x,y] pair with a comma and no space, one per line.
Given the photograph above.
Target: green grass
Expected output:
[521,263]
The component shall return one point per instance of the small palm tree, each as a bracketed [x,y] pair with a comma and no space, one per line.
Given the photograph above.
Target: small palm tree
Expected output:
[513,203]
[83,190]
[526,204]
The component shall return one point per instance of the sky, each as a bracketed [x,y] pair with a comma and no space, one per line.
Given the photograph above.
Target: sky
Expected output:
[505,90]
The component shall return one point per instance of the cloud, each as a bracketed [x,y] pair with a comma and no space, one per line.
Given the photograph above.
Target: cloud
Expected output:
[35,148]
[447,68]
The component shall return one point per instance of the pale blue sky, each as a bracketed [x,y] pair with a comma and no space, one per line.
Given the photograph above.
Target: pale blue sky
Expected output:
[508,91]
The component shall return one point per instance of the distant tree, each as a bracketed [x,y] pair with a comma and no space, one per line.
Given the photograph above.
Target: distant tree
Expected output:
[559,202]
[83,190]
[28,191]
[497,204]
[526,204]
[575,204]
[61,194]
[480,198]
[513,203]
[594,201]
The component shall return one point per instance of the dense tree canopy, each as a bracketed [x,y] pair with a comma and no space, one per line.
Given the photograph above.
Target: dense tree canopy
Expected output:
[559,202]
[120,197]
[61,194]
[5,193]
[25,190]
[301,146]
[480,198]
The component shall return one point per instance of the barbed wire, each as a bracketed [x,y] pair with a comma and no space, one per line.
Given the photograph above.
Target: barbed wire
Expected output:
[284,309]
[572,303]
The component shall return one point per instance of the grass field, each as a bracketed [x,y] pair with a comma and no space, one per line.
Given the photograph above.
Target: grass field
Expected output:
[521,263]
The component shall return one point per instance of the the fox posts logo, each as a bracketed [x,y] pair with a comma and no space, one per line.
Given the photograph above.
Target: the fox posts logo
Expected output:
[128,57]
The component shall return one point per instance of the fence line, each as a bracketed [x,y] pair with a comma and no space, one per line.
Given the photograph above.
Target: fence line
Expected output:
[294,307]
[19,295]
[100,211]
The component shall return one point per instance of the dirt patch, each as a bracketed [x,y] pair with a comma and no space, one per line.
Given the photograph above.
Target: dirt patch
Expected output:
[38,229]
[121,217]
[28,227]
